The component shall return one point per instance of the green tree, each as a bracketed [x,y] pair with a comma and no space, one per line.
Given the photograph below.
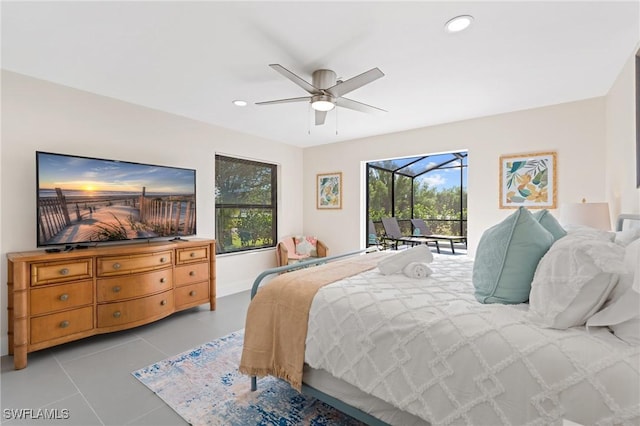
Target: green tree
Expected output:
[440,208]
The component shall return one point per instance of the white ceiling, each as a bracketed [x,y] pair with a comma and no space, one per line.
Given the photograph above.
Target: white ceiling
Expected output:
[194,58]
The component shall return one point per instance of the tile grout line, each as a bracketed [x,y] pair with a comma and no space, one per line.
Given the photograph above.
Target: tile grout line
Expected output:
[116,345]
[64,370]
[147,413]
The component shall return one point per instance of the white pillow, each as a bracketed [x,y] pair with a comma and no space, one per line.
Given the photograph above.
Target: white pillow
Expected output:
[622,312]
[590,233]
[632,259]
[573,280]
[626,237]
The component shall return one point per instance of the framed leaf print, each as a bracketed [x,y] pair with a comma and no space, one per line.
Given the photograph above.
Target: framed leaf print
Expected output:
[528,180]
[329,191]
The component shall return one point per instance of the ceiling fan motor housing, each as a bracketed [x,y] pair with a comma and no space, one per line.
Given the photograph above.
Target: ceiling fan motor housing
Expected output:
[323,79]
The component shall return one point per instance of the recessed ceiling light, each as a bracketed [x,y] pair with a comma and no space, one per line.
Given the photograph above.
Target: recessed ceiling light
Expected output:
[240,103]
[459,23]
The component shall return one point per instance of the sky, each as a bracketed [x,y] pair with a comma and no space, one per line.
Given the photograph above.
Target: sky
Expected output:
[88,174]
[444,178]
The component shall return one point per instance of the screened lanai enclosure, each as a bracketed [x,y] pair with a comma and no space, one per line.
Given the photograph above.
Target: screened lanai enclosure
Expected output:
[429,187]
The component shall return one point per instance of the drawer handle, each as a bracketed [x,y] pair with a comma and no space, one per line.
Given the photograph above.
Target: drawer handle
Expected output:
[163,279]
[192,293]
[64,297]
[64,271]
[163,259]
[64,324]
[163,302]
[192,254]
[117,314]
[192,273]
[116,289]
[116,266]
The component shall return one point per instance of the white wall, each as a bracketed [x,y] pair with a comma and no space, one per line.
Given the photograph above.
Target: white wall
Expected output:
[38,115]
[622,194]
[595,141]
[575,130]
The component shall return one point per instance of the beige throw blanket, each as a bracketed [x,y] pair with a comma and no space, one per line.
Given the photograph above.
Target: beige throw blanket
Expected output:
[277,318]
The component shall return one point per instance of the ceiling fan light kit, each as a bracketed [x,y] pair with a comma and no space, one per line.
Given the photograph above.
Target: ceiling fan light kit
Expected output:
[326,91]
[322,103]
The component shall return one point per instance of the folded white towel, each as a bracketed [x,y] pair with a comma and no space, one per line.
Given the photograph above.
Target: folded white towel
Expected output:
[396,263]
[417,270]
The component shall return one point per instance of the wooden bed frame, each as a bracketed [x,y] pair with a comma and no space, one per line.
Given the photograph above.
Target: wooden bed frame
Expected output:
[322,396]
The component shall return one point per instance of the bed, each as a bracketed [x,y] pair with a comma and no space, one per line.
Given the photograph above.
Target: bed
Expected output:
[388,349]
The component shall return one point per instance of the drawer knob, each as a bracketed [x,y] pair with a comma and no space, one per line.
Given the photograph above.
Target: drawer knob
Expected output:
[64,297]
[117,314]
[116,289]
[64,271]
[192,293]
[163,302]
[116,266]
[163,279]
[192,254]
[163,259]
[192,273]
[64,324]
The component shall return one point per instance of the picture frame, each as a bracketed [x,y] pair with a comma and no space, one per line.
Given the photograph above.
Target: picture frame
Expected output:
[529,180]
[329,191]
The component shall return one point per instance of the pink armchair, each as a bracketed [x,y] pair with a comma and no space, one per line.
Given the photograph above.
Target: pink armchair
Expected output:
[299,248]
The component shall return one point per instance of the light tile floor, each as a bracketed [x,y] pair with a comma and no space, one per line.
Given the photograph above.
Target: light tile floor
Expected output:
[91,378]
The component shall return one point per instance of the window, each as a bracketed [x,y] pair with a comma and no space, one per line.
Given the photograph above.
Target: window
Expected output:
[246,193]
[431,187]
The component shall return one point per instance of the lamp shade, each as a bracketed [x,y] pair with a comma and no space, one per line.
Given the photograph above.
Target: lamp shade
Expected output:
[594,215]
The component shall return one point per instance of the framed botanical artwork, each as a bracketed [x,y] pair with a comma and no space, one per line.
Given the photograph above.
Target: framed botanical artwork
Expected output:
[529,180]
[329,191]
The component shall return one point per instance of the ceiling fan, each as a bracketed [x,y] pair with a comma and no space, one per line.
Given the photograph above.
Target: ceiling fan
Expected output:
[327,92]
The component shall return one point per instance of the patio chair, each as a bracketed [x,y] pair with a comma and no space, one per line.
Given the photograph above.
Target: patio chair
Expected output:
[372,235]
[394,235]
[423,230]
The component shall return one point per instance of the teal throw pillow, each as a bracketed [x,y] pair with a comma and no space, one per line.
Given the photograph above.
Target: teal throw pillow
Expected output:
[550,223]
[507,256]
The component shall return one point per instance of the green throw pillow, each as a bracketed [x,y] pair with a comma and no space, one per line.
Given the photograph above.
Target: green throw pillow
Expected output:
[550,223]
[507,256]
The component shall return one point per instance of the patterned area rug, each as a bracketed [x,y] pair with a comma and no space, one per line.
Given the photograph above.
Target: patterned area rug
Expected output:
[203,386]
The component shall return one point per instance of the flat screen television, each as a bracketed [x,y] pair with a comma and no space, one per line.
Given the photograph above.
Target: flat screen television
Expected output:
[82,200]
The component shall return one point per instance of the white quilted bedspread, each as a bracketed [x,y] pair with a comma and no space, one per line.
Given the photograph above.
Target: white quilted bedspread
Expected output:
[429,348]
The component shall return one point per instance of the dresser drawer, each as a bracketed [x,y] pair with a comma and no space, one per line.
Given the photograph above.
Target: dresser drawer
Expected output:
[52,326]
[58,297]
[188,274]
[192,295]
[122,265]
[127,287]
[63,271]
[194,254]
[113,314]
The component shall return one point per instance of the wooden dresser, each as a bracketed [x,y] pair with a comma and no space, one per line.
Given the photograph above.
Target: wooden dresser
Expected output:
[56,298]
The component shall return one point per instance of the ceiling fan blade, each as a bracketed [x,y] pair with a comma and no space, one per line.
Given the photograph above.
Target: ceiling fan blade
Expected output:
[320,117]
[353,83]
[358,106]
[297,80]
[284,101]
